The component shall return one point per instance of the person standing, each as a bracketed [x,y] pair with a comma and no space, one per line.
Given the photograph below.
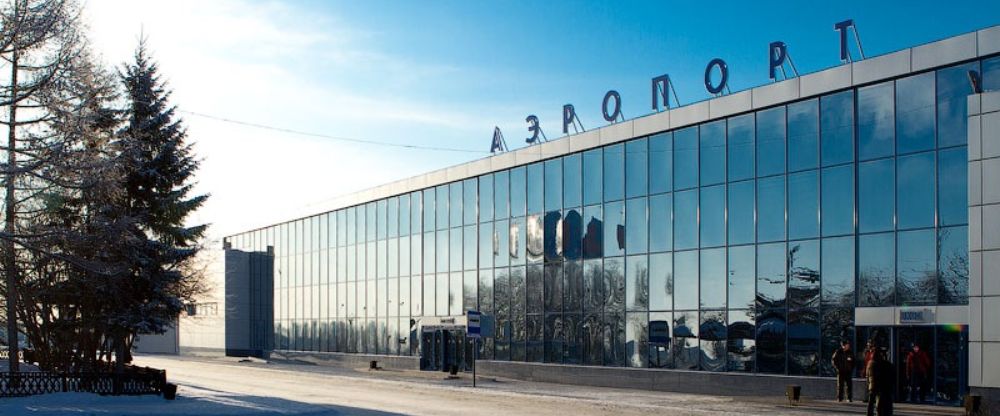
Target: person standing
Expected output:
[918,366]
[843,364]
[881,381]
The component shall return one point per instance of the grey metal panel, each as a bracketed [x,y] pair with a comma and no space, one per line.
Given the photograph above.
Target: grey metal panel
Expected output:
[990,181]
[976,274]
[991,227]
[975,139]
[776,93]
[973,106]
[881,67]
[825,81]
[653,123]
[689,114]
[944,52]
[990,101]
[728,105]
[951,314]
[874,316]
[988,41]
[616,132]
[584,141]
[975,228]
[990,273]
[976,182]
[991,327]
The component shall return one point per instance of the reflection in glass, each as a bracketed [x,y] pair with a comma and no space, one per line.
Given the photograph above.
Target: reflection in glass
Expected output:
[953,266]
[553,238]
[442,207]
[535,234]
[771,341]
[637,283]
[876,121]
[771,270]
[614,339]
[501,243]
[952,97]
[686,219]
[686,354]
[636,168]
[713,216]
[553,185]
[771,130]
[536,180]
[741,212]
[573,285]
[501,192]
[555,338]
[441,238]
[837,325]
[660,216]
[636,339]
[713,152]
[661,163]
[804,274]
[660,340]
[915,191]
[916,278]
[572,234]
[803,135]
[553,289]
[614,173]
[485,198]
[915,113]
[953,188]
[877,268]
[686,158]
[636,239]
[517,241]
[592,337]
[456,199]
[518,192]
[838,200]
[991,74]
[593,286]
[803,205]
[713,340]
[533,289]
[517,313]
[838,272]
[740,146]
[837,128]
[771,209]
[573,347]
[741,277]
[713,278]
[486,245]
[486,291]
[572,180]
[614,229]
[803,342]
[455,295]
[876,205]
[686,280]
[593,176]
[455,256]
[740,341]
[593,234]
[442,301]
[501,299]
[614,285]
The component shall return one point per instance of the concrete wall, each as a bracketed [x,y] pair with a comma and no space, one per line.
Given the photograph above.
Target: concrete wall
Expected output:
[205,334]
[984,247]
[347,360]
[165,343]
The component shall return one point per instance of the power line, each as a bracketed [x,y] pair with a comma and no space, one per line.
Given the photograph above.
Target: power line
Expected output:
[326,136]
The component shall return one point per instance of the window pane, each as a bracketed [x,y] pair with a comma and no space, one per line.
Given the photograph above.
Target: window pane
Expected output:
[713,278]
[441,206]
[686,354]
[660,215]
[803,135]
[429,252]
[553,289]
[486,245]
[741,213]
[637,283]
[686,280]
[876,122]
[593,232]
[838,272]
[518,241]
[953,188]
[573,284]
[686,158]
[713,340]
[534,303]
[741,277]
[572,177]
[686,219]
[837,128]
[659,340]
[713,216]
[572,234]
[838,200]
[536,182]
[916,255]
[553,238]
[915,191]
[637,339]
[661,163]
[535,233]
[517,192]
[803,342]
[614,173]
[553,184]
[614,229]
[740,341]
[876,204]
[877,266]
[593,285]
[661,282]
[771,209]
[485,198]
[771,130]
[952,97]
[713,152]
[392,222]
[741,147]
[593,176]
[614,284]
[456,192]
[501,243]
[771,341]
[953,266]
[469,203]
[915,113]
[804,274]
[501,190]
[803,205]
[636,226]
[837,325]
[636,162]
[771,272]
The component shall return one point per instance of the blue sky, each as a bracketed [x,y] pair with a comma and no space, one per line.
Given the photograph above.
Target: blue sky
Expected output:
[445,73]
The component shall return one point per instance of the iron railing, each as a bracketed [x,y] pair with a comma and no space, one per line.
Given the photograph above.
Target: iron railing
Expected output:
[135,381]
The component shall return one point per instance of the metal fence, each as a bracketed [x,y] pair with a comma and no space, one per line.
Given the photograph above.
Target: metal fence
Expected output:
[135,381]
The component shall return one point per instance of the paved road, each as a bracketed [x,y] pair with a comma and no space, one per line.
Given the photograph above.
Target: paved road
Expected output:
[304,389]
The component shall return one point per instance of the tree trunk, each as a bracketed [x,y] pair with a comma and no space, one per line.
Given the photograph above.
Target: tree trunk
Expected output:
[9,256]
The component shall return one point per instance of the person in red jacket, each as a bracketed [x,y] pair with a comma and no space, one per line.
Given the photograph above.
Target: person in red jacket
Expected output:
[918,368]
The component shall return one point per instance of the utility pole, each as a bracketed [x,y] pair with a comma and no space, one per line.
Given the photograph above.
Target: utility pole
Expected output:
[10,259]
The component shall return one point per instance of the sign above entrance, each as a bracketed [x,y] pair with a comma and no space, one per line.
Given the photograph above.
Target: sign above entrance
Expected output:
[916,316]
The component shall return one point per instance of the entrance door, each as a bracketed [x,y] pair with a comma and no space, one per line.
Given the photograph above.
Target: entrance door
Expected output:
[915,364]
[946,378]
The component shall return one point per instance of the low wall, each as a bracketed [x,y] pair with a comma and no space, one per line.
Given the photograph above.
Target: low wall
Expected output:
[348,360]
[990,401]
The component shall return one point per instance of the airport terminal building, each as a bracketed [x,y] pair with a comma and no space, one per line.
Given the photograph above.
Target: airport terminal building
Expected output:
[750,233]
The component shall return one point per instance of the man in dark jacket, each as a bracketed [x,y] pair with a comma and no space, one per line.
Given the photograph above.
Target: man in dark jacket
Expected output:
[881,382]
[843,364]
[918,366]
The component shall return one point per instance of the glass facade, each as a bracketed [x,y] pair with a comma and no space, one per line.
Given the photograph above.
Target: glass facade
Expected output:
[742,244]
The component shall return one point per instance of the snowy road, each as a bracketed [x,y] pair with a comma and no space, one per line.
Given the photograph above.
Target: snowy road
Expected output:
[227,387]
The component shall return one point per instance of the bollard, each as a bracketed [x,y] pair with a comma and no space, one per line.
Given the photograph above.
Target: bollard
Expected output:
[793,393]
[973,404]
[170,391]
[372,365]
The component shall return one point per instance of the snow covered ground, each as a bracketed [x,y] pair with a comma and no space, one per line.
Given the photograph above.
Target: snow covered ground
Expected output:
[228,387]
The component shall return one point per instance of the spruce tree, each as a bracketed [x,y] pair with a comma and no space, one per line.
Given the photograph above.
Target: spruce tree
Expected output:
[159,166]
